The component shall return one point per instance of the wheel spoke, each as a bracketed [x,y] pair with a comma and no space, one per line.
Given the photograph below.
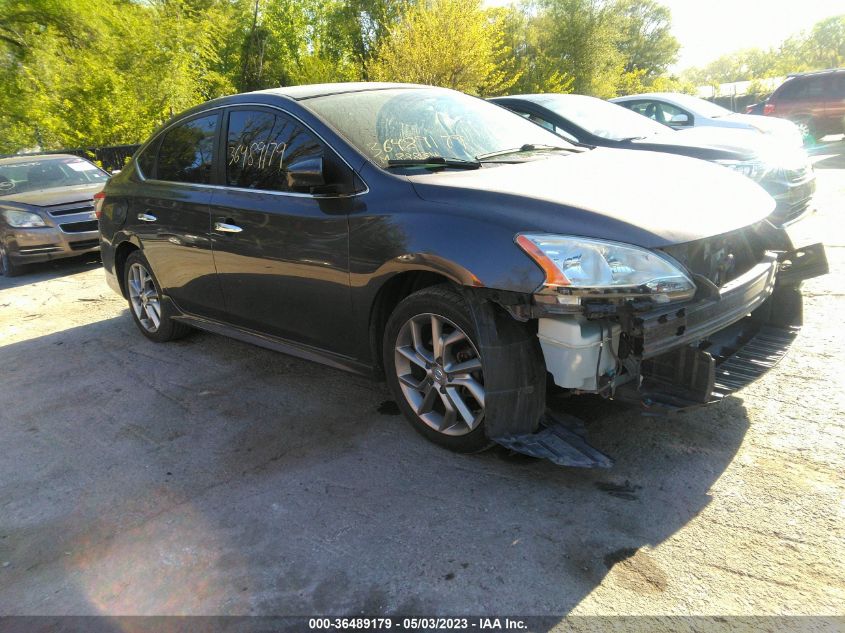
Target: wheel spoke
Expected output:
[419,347]
[409,381]
[450,419]
[437,338]
[475,388]
[151,314]
[473,364]
[460,405]
[413,355]
[429,398]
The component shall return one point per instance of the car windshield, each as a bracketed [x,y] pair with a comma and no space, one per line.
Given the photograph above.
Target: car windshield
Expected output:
[701,106]
[600,118]
[413,124]
[47,173]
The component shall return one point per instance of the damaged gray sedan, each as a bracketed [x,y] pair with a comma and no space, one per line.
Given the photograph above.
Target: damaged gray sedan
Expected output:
[474,259]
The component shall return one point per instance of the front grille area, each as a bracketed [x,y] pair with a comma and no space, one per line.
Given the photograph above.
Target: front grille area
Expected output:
[720,258]
[79,227]
[84,245]
[70,208]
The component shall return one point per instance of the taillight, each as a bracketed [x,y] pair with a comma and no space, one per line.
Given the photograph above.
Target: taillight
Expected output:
[99,199]
[768,108]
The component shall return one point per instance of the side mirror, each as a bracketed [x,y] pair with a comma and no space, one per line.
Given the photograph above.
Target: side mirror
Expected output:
[306,173]
[680,119]
[114,172]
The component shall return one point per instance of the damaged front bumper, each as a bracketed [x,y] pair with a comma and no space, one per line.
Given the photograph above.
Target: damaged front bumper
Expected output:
[683,356]
[667,359]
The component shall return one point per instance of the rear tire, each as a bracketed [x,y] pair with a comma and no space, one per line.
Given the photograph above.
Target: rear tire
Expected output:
[150,312]
[808,129]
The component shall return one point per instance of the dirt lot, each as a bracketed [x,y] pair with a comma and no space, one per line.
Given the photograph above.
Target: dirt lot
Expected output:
[211,477]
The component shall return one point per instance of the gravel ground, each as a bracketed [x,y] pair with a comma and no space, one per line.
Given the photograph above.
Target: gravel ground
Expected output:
[211,477]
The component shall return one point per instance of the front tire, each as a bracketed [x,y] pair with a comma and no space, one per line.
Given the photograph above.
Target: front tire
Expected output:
[149,311]
[434,369]
[8,268]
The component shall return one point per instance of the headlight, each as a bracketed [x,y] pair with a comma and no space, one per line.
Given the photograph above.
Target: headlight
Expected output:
[597,268]
[23,219]
[754,169]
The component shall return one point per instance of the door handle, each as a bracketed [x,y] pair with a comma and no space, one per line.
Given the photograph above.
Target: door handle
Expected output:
[222,227]
[146,217]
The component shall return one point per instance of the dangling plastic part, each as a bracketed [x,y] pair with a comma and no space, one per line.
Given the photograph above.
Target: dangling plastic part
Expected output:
[559,440]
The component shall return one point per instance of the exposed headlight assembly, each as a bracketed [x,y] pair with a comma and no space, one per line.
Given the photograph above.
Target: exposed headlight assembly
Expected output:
[23,219]
[754,169]
[591,268]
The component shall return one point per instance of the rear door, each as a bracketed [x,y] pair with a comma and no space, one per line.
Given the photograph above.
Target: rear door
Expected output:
[282,255]
[171,216]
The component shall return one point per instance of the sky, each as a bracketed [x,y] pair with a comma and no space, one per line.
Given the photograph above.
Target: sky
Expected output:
[708,29]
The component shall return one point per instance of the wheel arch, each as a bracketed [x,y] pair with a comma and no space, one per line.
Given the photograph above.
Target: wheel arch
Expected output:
[121,253]
[390,294]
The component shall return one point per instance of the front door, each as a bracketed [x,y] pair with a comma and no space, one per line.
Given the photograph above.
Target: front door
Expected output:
[282,255]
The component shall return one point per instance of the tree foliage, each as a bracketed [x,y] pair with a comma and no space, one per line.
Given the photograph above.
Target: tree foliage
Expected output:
[98,72]
[822,47]
[421,48]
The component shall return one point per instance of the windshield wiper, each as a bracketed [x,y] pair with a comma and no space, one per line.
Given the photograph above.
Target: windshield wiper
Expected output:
[434,161]
[528,147]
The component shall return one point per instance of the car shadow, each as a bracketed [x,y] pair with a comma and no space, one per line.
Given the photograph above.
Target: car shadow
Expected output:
[32,273]
[207,476]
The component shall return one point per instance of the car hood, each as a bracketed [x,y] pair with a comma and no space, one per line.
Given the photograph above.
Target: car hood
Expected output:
[782,128]
[644,198]
[704,142]
[52,197]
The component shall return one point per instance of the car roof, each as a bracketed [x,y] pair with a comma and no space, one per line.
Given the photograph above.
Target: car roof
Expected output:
[28,158]
[310,91]
[539,97]
[648,95]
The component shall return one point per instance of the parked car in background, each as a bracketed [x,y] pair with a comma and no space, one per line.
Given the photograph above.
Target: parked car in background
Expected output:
[462,251]
[47,208]
[814,101]
[682,111]
[786,173]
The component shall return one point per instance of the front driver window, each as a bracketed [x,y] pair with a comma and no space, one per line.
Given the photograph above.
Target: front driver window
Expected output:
[260,146]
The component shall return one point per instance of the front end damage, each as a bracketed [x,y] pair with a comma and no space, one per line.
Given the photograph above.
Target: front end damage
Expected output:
[671,357]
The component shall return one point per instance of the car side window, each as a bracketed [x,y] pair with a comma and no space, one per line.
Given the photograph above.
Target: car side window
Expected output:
[801,88]
[186,151]
[668,114]
[259,147]
[147,159]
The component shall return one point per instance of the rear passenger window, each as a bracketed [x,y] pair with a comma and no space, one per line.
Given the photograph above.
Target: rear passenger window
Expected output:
[802,88]
[260,146]
[147,159]
[186,151]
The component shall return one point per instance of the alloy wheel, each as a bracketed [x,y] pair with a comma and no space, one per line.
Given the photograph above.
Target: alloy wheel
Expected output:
[144,297]
[441,374]
[4,259]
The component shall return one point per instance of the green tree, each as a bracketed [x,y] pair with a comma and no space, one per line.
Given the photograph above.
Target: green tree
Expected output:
[825,45]
[578,39]
[646,42]
[451,43]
